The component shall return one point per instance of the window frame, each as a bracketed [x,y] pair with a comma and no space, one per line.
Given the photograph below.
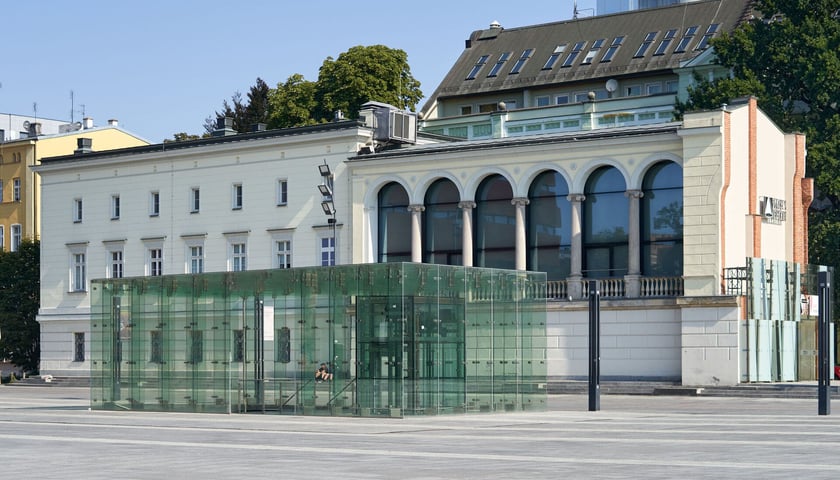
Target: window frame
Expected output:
[115,206]
[500,63]
[479,64]
[154,203]
[195,199]
[78,347]
[523,59]
[555,55]
[277,253]
[16,189]
[237,196]
[78,268]
[78,210]
[282,193]
[15,237]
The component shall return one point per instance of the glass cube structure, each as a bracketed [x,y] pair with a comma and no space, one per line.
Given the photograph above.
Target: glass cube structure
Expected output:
[398,338]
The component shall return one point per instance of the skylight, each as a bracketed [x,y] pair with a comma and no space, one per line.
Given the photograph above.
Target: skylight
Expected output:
[521,62]
[608,55]
[549,64]
[574,54]
[478,64]
[649,38]
[689,34]
[666,41]
[498,66]
[596,45]
[710,32]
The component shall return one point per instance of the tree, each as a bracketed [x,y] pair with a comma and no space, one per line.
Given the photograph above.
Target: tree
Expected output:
[789,58]
[245,114]
[362,74]
[292,103]
[182,137]
[20,289]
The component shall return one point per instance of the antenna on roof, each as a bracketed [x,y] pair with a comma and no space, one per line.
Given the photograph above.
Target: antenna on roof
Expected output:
[575,10]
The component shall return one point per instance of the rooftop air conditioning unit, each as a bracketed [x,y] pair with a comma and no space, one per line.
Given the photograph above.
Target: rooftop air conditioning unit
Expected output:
[390,124]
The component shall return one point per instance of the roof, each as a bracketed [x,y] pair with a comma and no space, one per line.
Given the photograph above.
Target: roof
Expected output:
[626,31]
[187,144]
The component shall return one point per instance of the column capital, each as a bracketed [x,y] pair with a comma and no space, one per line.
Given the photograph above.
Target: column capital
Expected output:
[416,208]
[466,205]
[634,194]
[576,197]
[519,201]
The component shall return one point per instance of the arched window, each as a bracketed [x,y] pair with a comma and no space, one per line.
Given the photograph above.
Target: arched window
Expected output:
[495,224]
[662,220]
[394,222]
[548,216]
[442,228]
[605,224]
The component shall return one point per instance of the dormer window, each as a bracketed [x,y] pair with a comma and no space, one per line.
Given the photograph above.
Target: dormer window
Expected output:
[610,53]
[574,54]
[666,41]
[552,59]
[596,46]
[690,32]
[499,63]
[478,64]
[521,62]
[649,38]
[710,32]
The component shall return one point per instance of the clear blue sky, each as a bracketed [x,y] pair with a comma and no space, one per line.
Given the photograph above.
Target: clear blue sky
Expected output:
[162,67]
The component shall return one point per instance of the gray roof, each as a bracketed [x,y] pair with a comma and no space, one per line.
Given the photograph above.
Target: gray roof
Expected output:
[634,26]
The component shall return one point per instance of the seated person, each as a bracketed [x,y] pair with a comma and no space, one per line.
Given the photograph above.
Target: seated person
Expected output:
[323,374]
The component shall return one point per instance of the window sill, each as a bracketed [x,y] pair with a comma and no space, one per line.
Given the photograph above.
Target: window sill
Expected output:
[154,214]
[193,211]
[236,208]
[77,221]
[282,204]
[77,292]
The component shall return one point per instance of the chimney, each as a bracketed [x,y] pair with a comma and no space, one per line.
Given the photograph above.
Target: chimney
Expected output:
[258,127]
[224,127]
[87,123]
[34,129]
[84,145]
[113,122]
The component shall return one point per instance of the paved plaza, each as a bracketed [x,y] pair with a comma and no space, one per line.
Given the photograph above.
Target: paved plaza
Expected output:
[48,432]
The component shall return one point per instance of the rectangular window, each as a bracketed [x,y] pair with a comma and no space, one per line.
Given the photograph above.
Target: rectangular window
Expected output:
[633,90]
[522,60]
[499,64]
[552,59]
[581,97]
[17,236]
[239,346]
[196,346]
[593,51]
[79,277]
[643,48]
[77,210]
[115,207]
[574,54]
[236,196]
[197,259]
[710,32]
[282,192]
[238,257]
[543,101]
[195,200]
[1,185]
[672,86]
[327,251]
[16,189]
[653,88]
[477,67]
[116,270]
[666,42]
[79,346]
[487,107]
[686,39]
[282,254]
[561,99]
[613,48]
[2,238]
[156,346]
[154,204]
[466,110]
[155,262]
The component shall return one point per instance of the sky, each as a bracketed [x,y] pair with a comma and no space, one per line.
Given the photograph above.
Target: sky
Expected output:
[162,67]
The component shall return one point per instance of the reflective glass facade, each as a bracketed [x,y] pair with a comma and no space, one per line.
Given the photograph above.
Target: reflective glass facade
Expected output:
[398,338]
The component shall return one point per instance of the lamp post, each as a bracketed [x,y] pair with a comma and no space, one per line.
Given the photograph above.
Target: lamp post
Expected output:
[328,205]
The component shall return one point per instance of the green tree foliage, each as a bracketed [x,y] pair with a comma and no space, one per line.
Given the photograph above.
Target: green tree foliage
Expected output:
[362,74]
[20,287]
[291,104]
[789,58]
[359,75]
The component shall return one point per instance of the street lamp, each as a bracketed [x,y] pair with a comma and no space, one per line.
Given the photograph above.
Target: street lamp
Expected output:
[328,205]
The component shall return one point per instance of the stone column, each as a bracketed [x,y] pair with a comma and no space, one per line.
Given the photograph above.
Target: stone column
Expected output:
[521,245]
[632,281]
[416,239]
[575,286]
[467,236]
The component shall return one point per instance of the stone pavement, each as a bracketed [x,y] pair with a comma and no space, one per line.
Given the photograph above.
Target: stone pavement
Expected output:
[48,433]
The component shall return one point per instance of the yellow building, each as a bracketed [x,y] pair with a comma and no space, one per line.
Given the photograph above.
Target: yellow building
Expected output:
[20,206]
